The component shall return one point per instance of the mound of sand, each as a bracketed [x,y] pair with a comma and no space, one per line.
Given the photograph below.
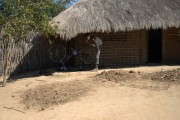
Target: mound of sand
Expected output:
[54,94]
[165,76]
[115,76]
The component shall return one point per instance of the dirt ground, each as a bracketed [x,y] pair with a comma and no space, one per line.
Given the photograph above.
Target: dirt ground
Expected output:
[139,93]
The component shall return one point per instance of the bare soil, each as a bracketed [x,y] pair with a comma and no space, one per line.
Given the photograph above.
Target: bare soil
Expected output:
[115,75]
[45,96]
[164,76]
[134,79]
[141,93]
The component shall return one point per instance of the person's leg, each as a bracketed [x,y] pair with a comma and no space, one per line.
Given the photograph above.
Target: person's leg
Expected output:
[97,60]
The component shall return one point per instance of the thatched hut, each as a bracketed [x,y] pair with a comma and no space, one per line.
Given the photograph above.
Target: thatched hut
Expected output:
[134,31]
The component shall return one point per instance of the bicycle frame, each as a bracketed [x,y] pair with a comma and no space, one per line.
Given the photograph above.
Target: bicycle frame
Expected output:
[59,55]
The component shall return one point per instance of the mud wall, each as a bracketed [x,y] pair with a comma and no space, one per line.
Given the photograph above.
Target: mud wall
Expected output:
[120,49]
[171,46]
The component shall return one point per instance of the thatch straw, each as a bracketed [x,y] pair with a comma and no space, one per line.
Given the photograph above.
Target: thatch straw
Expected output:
[117,15]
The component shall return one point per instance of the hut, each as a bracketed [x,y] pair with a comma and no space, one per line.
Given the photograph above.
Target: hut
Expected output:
[135,32]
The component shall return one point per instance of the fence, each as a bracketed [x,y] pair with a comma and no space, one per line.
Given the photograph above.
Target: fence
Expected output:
[23,56]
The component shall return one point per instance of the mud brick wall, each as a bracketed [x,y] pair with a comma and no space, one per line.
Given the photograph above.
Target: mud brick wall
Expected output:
[120,49]
[171,46]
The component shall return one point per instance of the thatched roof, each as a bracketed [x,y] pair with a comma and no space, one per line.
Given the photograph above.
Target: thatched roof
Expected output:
[117,15]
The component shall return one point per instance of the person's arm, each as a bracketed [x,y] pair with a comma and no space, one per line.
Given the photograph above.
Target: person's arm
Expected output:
[95,44]
[90,43]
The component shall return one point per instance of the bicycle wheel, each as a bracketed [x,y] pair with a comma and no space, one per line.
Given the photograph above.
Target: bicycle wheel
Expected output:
[57,53]
[88,55]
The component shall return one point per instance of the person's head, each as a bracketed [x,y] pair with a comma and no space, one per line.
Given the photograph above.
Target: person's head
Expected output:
[87,36]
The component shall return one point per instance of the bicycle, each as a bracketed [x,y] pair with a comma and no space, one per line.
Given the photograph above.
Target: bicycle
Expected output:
[58,54]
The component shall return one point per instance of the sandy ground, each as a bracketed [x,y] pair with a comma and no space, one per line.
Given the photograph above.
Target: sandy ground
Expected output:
[113,102]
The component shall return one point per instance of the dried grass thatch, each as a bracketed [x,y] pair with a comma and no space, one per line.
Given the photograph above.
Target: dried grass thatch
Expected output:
[117,15]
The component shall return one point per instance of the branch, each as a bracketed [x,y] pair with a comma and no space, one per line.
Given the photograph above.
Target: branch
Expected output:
[14,109]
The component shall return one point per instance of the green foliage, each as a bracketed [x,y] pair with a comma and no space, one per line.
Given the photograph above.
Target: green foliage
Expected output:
[19,17]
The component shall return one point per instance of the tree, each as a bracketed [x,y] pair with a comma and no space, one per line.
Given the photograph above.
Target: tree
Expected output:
[19,17]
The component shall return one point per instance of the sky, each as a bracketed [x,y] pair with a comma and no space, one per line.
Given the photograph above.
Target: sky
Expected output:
[73,2]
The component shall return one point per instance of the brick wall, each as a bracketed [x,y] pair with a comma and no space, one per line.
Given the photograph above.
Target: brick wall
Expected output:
[171,46]
[120,49]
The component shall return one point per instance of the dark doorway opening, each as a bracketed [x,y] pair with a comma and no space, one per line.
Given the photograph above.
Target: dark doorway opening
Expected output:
[155,46]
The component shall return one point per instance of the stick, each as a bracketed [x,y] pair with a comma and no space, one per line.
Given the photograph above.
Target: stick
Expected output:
[14,109]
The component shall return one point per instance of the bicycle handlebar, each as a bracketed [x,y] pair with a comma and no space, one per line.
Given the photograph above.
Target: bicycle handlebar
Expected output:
[74,52]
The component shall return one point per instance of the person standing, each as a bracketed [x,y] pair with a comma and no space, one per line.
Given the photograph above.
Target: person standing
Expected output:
[97,43]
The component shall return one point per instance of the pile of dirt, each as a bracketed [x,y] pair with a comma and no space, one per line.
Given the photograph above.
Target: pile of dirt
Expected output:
[165,76]
[54,94]
[115,76]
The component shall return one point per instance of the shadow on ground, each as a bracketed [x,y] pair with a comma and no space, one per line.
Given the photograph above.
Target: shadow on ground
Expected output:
[51,71]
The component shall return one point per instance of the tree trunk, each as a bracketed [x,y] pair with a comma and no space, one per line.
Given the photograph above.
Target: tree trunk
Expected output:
[5,60]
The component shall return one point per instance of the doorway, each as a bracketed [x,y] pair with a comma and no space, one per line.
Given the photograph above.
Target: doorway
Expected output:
[155,46]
